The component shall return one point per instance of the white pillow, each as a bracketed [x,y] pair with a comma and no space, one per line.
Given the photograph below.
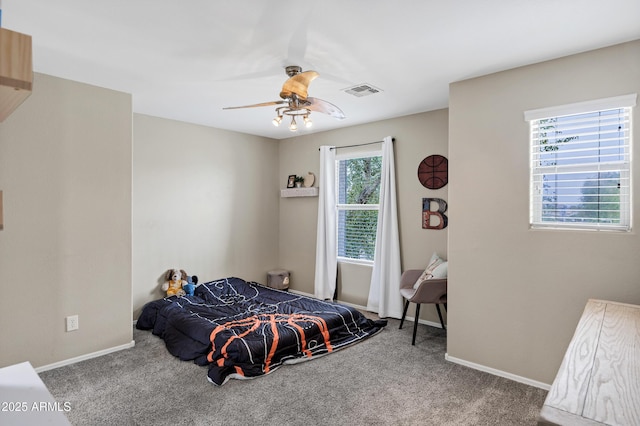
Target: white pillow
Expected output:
[437,268]
[440,271]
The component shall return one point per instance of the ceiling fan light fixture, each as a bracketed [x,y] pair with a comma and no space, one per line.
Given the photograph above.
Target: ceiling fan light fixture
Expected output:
[294,101]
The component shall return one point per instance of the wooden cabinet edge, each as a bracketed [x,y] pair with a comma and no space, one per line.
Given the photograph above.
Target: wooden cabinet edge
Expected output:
[16,70]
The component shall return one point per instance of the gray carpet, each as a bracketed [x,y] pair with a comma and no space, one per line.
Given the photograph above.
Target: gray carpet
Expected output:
[381,381]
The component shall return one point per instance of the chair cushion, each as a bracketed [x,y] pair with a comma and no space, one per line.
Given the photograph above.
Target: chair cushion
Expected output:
[437,268]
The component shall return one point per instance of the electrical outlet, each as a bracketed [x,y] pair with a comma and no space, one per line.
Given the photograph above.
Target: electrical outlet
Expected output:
[72,323]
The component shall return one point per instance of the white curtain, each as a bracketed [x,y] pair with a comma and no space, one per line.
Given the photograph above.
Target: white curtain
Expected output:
[326,251]
[384,291]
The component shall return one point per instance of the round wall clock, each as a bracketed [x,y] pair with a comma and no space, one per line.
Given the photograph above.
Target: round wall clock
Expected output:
[433,172]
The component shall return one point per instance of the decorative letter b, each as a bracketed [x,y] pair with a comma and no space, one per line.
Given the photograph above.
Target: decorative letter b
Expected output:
[434,219]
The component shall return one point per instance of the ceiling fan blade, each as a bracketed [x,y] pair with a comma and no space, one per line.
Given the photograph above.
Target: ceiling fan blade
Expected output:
[257,105]
[315,104]
[297,49]
[253,75]
[298,85]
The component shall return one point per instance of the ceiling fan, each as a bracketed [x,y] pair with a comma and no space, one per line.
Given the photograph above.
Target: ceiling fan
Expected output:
[295,101]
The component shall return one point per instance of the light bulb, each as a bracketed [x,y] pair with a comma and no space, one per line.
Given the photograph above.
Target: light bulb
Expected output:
[276,121]
[293,127]
[307,121]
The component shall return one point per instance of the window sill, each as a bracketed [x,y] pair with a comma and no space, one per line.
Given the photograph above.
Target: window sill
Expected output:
[355,261]
[579,228]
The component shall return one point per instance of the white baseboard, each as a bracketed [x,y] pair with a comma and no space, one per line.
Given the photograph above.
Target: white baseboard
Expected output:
[303,293]
[85,357]
[429,323]
[499,373]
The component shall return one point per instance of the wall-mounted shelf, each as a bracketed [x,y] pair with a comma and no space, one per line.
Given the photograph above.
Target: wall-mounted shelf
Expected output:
[299,192]
[16,70]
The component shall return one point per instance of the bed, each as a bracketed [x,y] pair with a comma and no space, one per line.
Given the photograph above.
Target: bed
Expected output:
[243,329]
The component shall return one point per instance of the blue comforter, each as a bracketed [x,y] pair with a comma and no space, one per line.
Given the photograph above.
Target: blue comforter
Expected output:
[242,329]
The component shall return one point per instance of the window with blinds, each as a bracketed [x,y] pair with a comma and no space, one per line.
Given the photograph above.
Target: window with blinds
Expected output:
[581,165]
[358,194]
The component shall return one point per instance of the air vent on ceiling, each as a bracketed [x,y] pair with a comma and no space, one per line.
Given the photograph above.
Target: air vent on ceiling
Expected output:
[361,90]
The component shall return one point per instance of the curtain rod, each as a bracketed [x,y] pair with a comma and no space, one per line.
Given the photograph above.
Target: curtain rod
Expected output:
[360,144]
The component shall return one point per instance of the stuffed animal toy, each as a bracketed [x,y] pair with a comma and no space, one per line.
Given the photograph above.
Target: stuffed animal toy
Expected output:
[191,284]
[176,279]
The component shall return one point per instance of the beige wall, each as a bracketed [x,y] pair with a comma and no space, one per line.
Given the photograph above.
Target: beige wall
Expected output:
[515,294]
[417,136]
[65,171]
[204,200]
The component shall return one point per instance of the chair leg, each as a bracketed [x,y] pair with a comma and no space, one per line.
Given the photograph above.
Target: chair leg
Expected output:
[415,324]
[404,314]
[440,315]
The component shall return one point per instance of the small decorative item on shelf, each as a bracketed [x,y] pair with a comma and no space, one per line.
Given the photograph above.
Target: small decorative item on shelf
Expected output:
[298,180]
[309,179]
[291,180]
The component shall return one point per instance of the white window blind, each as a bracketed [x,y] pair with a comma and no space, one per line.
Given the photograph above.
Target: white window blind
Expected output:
[358,193]
[581,165]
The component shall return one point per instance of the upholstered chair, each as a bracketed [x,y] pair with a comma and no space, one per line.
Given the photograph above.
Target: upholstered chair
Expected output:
[432,290]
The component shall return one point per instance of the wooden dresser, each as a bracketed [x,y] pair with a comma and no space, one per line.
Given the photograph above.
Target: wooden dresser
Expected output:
[599,379]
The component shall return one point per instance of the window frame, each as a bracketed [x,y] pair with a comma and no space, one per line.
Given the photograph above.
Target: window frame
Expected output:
[624,167]
[350,207]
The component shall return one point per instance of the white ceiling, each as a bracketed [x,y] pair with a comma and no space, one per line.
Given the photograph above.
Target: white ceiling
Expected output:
[188,59]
